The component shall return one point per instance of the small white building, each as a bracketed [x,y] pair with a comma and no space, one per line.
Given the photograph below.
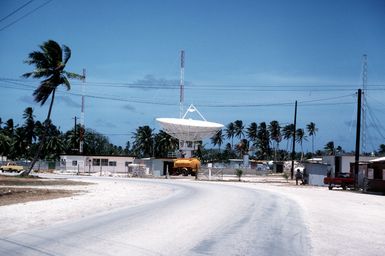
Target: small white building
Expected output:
[95,164]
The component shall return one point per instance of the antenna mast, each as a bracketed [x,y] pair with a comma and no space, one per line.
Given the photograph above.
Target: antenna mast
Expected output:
[181,98]
[81,130]
[364,105]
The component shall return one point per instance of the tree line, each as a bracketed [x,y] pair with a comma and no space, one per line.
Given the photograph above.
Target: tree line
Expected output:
[261,141]
[21,141]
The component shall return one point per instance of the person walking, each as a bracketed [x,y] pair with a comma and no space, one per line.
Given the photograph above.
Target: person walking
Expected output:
[298,176]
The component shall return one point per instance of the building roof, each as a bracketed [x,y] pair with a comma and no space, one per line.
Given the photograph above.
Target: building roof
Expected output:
[380,159]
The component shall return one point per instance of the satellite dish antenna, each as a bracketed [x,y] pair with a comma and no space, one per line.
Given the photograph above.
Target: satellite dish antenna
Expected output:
[187,130]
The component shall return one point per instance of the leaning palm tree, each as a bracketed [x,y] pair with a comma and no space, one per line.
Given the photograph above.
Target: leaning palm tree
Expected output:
[312,130]
[49,64]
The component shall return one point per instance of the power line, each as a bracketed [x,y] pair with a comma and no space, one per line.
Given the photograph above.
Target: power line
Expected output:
[305,103]
[264,87]
[375,121]
[25,15]
[18,9]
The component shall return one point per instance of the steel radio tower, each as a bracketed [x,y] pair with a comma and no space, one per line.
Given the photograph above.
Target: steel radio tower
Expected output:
[181,93]
[364,104]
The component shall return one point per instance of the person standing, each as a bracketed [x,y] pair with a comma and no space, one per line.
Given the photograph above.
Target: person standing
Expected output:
[298,176]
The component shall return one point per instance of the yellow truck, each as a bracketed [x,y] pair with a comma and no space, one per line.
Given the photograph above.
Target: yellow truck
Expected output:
[186,166]
[11,167]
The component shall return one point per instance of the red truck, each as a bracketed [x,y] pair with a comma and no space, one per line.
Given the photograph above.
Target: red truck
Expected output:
[342,180]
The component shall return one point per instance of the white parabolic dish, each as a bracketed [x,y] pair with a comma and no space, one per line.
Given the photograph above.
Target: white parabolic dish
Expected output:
[189,129]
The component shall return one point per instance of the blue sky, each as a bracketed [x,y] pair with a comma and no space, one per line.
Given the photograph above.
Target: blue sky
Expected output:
[247,60]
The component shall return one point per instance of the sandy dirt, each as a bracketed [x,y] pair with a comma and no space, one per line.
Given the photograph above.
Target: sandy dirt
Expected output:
[14,189]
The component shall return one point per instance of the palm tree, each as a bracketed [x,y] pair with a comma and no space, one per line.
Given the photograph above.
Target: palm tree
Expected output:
[5,144]
[251,131]
[329,148]
[164,143]
[312,130]
[95,143]
[243,147]
[49,64]
[29,126]
[300,136]
[144,141]
[217,139]
[18,145]
[238,124]
[288,132]
[9,128]
[230,132]
[263,141]
[54,147]
[381,149]
[275,135]
[8,132]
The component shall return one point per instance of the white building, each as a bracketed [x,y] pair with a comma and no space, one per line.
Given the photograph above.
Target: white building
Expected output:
[95,164]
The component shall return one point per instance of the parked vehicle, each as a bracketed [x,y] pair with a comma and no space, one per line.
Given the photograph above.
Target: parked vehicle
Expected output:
[11,167]
[186,166]
[343,180]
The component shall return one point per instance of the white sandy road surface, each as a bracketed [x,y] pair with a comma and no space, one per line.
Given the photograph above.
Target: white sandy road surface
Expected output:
[330,222]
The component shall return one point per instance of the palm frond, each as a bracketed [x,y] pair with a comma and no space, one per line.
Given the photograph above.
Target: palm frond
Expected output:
[53,52]
[67,54]
[71,75]
[38,73]
[26,75]
[38,59]
[42,93]
[64,80]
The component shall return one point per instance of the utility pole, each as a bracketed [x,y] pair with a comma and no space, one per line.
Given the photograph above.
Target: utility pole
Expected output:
[75,133]
[358,132]
[181,92]
[293,151]
[81,132]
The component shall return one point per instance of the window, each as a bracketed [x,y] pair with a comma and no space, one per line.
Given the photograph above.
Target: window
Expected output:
[112,163]
[127,163]
[74,163]
[104,162]
[96,162]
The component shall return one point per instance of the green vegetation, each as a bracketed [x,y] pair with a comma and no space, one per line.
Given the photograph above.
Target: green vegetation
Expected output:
[239,173]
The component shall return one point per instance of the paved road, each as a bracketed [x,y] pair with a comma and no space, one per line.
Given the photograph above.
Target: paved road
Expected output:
[197,219]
